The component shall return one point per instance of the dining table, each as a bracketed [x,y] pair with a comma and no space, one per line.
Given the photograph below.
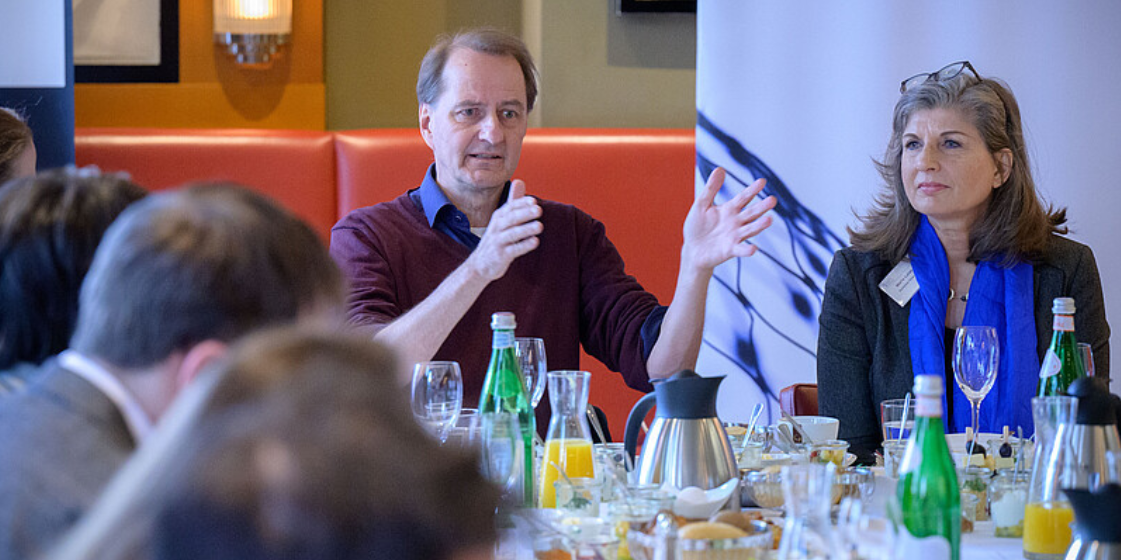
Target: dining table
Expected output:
[980,544]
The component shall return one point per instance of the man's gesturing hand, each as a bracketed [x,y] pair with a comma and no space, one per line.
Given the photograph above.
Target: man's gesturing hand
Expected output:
[511,233]
[715,233]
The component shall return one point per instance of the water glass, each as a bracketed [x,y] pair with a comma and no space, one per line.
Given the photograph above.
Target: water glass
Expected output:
[893,456]
[751,457]
[501,451]
[891,418]
[466,432]
[863,535]
[857,483]
[610,467]
[1087,353]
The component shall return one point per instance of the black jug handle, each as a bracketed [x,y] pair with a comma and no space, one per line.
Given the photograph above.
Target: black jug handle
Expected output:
[634,421]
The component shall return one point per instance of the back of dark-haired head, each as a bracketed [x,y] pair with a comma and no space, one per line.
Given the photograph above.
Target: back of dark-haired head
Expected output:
[15,136]
[50,226]
[430,81]
[1015,225]
[307,449]
[205,262]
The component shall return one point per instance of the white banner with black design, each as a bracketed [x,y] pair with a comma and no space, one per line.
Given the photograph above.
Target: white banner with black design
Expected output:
[801,92]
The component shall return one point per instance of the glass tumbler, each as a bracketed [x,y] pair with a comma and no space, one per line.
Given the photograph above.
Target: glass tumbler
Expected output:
[1008,495]
[975,480]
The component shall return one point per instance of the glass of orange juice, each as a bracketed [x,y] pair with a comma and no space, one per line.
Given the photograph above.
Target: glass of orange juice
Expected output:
[568,444]
[1047,532]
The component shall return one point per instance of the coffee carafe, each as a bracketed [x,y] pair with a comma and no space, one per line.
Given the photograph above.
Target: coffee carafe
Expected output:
[1094,432]
[686,444]
[1097,518]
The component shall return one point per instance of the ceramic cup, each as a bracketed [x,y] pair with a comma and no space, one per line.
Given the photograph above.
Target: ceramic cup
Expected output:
[819,428]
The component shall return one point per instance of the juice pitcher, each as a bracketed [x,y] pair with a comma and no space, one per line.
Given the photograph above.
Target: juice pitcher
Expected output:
[1048,515]
[568,444]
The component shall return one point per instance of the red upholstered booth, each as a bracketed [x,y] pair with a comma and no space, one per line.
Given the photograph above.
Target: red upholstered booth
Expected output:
[295,167]
[638,182]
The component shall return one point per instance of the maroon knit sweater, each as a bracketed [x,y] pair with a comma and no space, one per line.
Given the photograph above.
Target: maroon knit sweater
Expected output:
[570,290]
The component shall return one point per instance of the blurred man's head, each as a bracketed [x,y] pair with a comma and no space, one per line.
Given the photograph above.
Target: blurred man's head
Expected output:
[50,226]
[308,450]
[183,273]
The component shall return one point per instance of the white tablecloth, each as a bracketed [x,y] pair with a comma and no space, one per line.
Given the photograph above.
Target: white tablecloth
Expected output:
[978,545]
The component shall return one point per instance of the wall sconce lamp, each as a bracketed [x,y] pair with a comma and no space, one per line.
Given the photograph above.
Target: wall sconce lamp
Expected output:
[252,31]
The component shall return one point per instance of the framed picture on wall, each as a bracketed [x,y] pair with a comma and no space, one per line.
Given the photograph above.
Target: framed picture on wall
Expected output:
[626,6]
[119,41]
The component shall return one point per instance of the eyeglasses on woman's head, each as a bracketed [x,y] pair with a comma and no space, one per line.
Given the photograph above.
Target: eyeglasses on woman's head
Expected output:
[947,72]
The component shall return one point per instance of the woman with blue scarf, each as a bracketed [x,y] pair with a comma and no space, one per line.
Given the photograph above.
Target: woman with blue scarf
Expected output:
[961,238]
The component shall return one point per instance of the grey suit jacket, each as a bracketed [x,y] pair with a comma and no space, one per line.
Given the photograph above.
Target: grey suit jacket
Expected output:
[863,350]
[61,440]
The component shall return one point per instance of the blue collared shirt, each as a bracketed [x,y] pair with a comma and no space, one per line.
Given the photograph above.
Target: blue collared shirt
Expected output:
[442,215]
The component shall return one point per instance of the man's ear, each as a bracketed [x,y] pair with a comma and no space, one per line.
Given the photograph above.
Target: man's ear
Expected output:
[1004,162]
[424,115]
[197,359]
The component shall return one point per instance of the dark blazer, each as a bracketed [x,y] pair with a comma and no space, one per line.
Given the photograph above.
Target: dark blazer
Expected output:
[61,440]
[863,351]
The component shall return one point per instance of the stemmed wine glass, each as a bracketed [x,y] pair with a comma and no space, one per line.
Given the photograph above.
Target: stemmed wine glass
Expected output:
[437,396]
[976,357]
[531,358]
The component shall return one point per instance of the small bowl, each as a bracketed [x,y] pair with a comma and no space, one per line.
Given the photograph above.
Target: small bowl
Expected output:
[830,451]
[764,488]
[706,502]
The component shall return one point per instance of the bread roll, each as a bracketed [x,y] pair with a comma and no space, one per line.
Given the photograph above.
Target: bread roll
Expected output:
[710,530]
[738,519]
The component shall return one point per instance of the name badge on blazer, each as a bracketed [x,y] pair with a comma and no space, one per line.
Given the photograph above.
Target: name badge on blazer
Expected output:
[900,284]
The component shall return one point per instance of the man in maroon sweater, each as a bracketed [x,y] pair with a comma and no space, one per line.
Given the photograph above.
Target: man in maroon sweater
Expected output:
[428,268]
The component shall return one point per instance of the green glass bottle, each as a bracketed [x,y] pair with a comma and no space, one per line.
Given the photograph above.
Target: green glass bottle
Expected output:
[504,391]
[1062,364]
[929,496]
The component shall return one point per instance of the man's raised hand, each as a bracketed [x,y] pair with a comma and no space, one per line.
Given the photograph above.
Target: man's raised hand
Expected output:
[715,233]
[511,233]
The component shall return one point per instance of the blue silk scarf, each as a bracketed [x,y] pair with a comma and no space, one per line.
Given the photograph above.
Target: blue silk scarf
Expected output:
[998,297]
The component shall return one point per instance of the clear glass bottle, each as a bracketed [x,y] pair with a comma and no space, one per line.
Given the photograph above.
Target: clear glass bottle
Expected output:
[568,444]
[1063,362]
[504,391]
[1048,514]
[929,498]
